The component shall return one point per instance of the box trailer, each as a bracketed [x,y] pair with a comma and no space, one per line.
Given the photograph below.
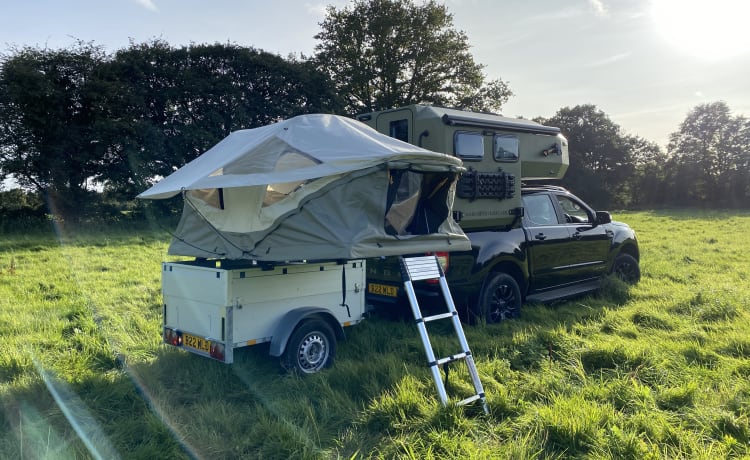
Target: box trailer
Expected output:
[213,307]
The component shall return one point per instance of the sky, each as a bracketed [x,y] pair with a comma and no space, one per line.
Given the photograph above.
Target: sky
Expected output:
[645,63]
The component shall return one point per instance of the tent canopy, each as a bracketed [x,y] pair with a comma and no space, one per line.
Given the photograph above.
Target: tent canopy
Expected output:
[314,187]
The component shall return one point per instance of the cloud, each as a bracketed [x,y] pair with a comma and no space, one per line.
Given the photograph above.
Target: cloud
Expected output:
[599,7]
[316,9]
[148,4]
[319,8]
[609,60]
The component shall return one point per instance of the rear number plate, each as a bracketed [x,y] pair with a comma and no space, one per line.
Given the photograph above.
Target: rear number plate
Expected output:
[196,343]
[382,289]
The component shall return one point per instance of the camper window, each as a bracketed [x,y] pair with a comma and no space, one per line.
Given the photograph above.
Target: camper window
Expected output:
[469,145]
[399,129]
[506,148]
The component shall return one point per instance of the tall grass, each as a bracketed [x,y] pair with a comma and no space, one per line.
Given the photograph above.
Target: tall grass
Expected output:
[660,370]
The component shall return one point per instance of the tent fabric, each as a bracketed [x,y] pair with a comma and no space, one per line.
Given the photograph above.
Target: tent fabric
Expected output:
[340,144]
[314,187]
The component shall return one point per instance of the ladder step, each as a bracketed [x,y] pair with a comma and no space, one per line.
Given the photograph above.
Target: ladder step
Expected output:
[470,399]
[422,268]
[452,358]
[437,317]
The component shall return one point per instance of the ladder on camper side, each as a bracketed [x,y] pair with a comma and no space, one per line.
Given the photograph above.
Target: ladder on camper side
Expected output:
[428,268]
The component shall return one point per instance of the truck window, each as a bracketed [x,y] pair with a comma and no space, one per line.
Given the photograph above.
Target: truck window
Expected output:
[399,129]
[539,210]
[506,148]
[469,145]
[574,212]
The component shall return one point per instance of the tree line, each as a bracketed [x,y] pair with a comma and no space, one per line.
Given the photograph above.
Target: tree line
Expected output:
[86,131]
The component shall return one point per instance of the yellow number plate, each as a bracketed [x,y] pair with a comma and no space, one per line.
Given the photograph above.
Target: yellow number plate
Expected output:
[382,289]
[196,343]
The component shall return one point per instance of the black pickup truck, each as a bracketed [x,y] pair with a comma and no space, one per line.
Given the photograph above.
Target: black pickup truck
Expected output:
[562,248]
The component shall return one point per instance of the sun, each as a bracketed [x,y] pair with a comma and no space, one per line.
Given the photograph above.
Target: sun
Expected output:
[707,29]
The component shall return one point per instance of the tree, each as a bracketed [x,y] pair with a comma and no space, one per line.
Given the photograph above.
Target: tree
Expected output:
[389,53]
[710,156]
[48,103]
[646,186]
[601,156]
[75,117]
[168,105]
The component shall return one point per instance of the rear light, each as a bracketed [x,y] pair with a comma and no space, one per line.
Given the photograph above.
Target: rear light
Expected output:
[443,260]
[172,337]
[217,351]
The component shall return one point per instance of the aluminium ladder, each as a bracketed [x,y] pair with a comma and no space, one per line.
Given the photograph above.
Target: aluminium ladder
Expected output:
[428,268]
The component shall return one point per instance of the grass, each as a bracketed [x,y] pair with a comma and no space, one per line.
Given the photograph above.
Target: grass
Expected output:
[660,370]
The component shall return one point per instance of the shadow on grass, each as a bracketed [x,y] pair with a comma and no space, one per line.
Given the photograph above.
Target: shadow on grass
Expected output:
[183,406]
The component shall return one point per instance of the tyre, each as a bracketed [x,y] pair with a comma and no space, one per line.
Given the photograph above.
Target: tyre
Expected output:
[500,298]
[311,347]
[626,268]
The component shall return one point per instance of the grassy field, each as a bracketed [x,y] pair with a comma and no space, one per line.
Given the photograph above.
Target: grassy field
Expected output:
[660,370]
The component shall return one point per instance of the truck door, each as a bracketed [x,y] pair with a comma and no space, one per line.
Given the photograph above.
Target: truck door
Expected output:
[551,254]
[592,242]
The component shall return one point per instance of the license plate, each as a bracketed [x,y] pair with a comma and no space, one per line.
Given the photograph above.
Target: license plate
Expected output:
[382,289]
[196,343]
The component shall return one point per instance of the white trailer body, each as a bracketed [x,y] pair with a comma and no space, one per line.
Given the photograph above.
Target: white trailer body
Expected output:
[212,307]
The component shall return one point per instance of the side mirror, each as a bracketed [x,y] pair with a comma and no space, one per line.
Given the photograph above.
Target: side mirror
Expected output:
[603,217]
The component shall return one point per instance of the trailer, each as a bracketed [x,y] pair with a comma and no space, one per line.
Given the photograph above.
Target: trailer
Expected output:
[211,308]
[279,221]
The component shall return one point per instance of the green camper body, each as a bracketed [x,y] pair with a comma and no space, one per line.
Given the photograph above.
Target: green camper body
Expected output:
[498,152]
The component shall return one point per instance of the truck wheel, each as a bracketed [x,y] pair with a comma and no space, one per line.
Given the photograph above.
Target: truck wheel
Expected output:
[500,298]
[311,347]
[626,268]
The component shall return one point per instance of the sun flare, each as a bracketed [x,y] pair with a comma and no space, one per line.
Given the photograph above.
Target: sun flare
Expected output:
[707,29]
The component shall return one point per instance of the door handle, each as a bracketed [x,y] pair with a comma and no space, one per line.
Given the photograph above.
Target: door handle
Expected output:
[540,236]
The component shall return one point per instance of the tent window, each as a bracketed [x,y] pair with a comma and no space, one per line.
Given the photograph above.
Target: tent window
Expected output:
[211,196]
[406,188]
[419,202]
[277,192]
[288,161]
[291,161]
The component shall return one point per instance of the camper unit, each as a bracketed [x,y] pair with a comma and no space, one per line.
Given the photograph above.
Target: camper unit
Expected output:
[498,152]
[213,307]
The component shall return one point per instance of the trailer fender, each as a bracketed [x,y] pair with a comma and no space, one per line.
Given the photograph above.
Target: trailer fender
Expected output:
[290,321]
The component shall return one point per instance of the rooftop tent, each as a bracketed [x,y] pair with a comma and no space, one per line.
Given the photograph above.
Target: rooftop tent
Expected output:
[314,187]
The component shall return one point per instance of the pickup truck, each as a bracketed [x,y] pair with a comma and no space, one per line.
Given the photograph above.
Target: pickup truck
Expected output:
[562,248]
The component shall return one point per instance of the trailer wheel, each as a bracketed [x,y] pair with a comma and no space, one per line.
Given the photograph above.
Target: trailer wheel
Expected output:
[500,298]
[311,347]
